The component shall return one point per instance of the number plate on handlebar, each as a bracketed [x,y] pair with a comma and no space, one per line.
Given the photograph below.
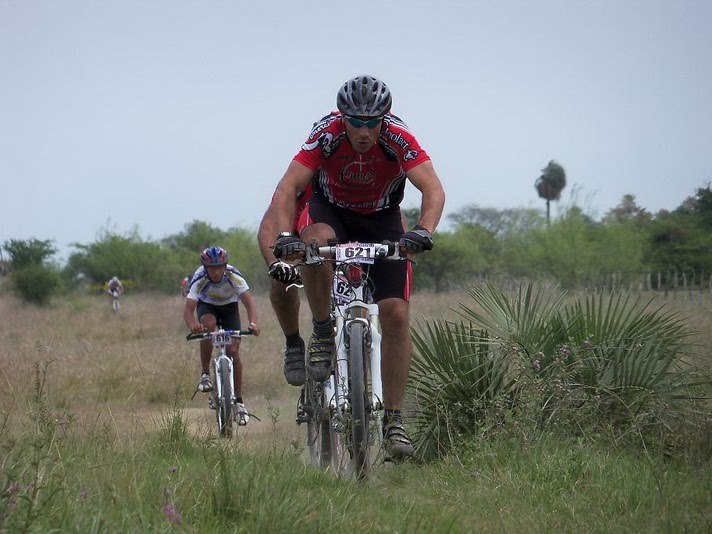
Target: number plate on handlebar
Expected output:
[222,339]
[363,253]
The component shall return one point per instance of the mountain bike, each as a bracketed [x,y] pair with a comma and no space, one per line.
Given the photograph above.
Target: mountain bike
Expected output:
[344,414]
[224,398]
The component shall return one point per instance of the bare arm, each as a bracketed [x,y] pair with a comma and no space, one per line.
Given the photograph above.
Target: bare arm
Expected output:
[267,233]
[426,180]
[189,316]
[249,303]
[280,213]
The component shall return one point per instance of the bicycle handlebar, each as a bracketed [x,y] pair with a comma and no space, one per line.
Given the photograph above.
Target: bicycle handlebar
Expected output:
[231,333]
[387,250]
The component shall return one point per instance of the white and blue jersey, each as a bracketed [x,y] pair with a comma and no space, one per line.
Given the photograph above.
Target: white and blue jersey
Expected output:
[226,291]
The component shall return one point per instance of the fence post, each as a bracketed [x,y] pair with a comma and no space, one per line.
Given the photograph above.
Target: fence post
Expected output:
[674,284]
[666,284]
[684,285]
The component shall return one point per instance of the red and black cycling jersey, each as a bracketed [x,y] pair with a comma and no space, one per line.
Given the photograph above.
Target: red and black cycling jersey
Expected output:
[364,183]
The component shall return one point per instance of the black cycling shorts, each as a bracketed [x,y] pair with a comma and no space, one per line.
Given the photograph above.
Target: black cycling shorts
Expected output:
[227,315]
[390,278]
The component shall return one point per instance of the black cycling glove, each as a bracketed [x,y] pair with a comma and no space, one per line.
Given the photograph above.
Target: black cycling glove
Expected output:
[283,272]
[288,245]
[416,240]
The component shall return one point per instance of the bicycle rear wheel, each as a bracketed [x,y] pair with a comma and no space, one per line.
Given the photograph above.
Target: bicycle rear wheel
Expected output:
[318,424]
[359,420]
[223,396]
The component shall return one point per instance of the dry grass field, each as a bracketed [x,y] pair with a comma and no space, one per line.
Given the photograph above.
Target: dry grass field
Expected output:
[125,372]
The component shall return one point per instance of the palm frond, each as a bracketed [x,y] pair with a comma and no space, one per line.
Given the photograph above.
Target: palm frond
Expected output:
[456,370]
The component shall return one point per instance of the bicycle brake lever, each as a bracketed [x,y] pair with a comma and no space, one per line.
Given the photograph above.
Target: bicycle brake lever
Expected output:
[391,248]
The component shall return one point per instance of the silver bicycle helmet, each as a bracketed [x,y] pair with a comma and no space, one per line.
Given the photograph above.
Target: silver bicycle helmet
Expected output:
[364,96]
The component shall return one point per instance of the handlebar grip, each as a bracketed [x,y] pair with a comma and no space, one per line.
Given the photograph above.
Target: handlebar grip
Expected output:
[195,335]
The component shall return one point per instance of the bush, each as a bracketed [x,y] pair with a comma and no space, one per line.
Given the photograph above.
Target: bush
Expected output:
[537,362]
[36,284]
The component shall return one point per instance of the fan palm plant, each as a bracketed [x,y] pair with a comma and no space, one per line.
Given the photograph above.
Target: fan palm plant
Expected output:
[456,378]
[548,358]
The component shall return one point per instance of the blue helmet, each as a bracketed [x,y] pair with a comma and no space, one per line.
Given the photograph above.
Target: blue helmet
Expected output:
[214,257]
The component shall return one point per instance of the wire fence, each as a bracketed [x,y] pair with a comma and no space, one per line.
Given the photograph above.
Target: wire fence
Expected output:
[690,285]
[681,285]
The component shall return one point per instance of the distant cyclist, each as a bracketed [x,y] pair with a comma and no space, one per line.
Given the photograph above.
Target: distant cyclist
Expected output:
[184,286]
[114,288]
[214,292]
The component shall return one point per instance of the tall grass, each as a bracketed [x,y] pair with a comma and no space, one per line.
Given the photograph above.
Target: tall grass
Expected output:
[171,480]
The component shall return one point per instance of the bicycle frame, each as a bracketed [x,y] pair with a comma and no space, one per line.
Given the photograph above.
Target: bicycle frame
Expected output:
[224,396]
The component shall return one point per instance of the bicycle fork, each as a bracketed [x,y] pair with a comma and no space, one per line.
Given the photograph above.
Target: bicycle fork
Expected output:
[337,387]
[219,393]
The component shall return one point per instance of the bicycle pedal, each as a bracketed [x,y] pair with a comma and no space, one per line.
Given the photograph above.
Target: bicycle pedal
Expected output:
[211,403]
[302,417]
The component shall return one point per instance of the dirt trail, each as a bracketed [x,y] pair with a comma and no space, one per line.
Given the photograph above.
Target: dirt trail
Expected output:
[275,427]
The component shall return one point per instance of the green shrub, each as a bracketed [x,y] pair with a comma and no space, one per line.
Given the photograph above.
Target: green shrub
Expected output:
[36,284]
[535,362]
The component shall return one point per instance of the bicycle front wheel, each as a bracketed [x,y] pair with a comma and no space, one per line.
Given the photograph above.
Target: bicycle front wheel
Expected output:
[359,420]
[223,396]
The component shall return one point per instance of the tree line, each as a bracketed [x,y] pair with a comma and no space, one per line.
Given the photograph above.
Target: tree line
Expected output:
[573,249]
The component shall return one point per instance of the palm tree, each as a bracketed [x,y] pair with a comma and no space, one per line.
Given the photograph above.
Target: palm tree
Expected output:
[550,184]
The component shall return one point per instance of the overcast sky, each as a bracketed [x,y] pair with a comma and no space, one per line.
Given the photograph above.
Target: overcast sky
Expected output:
[115,114]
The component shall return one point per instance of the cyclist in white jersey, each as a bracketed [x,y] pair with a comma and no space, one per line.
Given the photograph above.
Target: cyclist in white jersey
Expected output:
[215,290]
[114,288]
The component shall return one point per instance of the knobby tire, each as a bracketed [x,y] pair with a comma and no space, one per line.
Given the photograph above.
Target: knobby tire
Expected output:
[223,407]
[359,423]
[318,425]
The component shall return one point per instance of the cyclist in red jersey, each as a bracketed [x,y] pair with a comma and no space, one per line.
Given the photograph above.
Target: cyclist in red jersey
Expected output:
[358,161]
